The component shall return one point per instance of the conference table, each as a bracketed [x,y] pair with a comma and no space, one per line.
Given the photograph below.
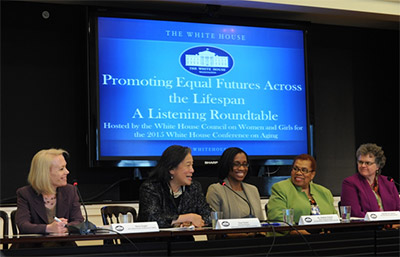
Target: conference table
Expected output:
[356,238]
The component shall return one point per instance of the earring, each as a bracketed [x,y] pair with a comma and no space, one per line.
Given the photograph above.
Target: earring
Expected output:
[172,177]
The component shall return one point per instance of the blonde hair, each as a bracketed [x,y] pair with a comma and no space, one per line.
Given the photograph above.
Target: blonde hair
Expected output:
[39,174]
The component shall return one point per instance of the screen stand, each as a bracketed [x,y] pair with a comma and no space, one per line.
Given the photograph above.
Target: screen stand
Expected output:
[137,174]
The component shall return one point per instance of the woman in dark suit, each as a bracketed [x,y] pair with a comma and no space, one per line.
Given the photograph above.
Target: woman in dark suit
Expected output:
[48,204]
[169,196]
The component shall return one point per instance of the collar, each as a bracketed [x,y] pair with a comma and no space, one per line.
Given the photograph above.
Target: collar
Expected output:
[226,180]
[177,194]
[299,189]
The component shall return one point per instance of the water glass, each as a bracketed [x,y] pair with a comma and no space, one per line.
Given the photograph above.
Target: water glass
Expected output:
[215,216]
[125,218]
[288,216]
[345,213]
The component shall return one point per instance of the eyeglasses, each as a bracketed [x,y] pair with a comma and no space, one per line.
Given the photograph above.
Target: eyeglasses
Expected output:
[302,170]
[366,163]
[237,165]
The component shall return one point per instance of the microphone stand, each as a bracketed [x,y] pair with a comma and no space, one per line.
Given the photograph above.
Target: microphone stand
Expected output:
[392,180]
[251,212]
[85,227]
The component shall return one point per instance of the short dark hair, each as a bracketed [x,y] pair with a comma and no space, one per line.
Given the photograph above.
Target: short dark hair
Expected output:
[374,150]
[170,159]
[306,157]
[225,163]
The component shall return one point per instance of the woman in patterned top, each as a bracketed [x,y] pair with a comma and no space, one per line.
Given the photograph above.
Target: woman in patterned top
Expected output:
[169,196]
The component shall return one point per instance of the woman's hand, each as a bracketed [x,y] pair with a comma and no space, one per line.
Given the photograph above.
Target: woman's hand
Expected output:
[190,218]
[57,227]
[197,220]
[65,221]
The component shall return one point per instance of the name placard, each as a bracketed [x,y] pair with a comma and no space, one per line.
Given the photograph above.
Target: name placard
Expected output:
[238,223]
[319,219]
[382,215]
[135,227]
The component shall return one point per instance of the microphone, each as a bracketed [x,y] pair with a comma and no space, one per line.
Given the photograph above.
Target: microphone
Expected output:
[392,180]
[248,203]
[85,227]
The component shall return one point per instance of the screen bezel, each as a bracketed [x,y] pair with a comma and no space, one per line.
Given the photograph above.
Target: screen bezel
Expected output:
[196,17]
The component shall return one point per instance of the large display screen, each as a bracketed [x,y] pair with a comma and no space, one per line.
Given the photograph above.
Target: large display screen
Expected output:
[202,85]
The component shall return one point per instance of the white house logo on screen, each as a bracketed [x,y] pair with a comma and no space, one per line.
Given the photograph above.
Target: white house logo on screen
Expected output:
[206,61]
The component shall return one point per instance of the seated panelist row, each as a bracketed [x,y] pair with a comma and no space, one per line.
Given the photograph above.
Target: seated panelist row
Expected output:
[365,191]
[237,199]
[49,204]
[172,198]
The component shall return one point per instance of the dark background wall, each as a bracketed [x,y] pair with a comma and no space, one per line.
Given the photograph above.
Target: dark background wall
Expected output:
[353,88]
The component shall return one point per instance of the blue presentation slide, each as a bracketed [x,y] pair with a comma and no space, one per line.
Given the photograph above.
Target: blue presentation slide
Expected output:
[206,86]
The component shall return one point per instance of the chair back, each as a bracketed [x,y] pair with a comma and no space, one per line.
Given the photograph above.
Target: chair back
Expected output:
[13,224]
[338,205]
[109,214]
[266,210]
[4,216]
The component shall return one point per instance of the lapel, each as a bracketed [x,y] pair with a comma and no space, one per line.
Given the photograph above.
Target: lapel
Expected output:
[249,200]
[387,200]
[38,206]
[227,182]
[61,201]
[312,190]
[166,190]
[371,203]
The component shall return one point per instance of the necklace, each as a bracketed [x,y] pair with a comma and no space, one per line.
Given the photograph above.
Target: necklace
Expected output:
[176,194]
[49,201]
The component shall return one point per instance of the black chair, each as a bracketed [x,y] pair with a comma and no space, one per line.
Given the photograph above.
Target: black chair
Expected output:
[266,210]
[4,216]
[13,224]
[109,213]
